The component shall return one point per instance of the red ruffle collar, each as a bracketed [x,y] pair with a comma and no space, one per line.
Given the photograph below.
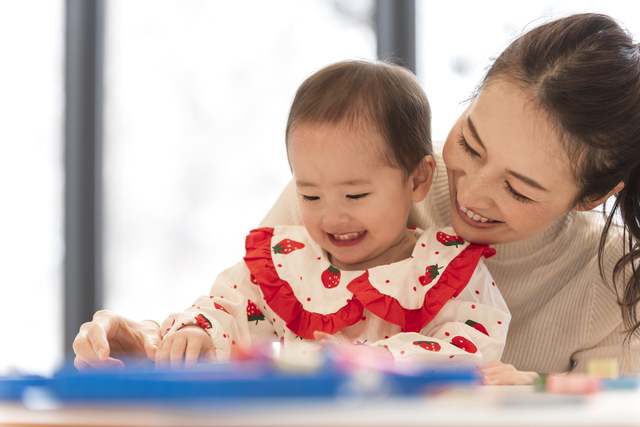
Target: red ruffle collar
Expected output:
[280,297]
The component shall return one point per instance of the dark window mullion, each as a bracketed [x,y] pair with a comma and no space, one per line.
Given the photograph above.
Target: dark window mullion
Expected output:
[84,42]
[396,31]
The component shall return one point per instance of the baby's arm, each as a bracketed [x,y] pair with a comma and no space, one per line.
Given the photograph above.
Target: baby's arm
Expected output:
[227,316]
[187,345]
[469,330]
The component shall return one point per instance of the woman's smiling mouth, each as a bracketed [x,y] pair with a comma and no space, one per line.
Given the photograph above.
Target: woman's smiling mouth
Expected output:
[474,216]
[473,219]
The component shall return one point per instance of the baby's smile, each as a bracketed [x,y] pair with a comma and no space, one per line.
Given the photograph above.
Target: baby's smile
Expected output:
[348,236]
[347,239]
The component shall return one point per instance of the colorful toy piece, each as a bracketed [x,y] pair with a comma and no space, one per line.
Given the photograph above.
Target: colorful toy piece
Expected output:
[603,368]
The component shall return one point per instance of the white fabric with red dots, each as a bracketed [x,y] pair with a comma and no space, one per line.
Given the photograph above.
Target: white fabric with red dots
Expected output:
[468,329]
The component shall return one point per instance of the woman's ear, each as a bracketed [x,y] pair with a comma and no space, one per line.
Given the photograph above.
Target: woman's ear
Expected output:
[594,204]
[422,178]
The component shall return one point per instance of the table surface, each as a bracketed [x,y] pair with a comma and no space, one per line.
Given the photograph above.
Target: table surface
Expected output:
[479,406]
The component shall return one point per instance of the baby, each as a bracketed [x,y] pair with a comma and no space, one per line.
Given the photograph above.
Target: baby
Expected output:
[359,146]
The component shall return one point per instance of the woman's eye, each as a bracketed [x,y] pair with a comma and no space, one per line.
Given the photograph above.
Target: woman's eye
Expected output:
[357,196]
[519,197]
[309,198]
[466,147]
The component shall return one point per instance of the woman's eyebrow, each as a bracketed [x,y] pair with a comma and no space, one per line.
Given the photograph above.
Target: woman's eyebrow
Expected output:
[474,132]
[533,183]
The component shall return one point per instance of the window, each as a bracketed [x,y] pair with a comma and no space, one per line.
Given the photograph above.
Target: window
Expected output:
[197,96]
[31,184]
[456,39]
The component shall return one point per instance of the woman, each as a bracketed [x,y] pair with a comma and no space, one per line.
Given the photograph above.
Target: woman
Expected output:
[551,133]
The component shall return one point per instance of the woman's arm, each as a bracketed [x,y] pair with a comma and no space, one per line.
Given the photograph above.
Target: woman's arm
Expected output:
[613,346]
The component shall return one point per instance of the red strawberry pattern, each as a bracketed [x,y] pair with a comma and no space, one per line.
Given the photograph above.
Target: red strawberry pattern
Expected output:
[477,326]
[169,328]
[219,307]
[330,277]
[253,312]
[428,345]
[430,273]
[287,246]
[464,344]
[448,240]
[203,321]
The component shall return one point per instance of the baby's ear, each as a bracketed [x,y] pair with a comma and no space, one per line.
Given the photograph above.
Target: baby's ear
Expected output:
[422,178]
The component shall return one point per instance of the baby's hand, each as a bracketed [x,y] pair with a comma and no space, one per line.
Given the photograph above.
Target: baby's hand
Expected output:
[187,346]
[498,373]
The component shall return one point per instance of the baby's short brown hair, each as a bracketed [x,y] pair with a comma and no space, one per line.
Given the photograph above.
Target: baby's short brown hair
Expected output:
[379,94]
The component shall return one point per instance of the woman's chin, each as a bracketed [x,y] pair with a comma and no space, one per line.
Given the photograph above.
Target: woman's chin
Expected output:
[478,235]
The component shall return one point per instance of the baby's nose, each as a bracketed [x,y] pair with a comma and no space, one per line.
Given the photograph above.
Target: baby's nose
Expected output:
[333,215]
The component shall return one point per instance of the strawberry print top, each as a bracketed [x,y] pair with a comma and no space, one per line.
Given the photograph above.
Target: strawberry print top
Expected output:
[439,306]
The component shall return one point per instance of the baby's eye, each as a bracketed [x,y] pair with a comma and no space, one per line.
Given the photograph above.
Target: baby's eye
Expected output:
[309,198]
[357,196]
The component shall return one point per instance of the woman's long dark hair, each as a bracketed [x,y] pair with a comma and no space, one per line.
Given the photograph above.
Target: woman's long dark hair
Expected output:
[584,71]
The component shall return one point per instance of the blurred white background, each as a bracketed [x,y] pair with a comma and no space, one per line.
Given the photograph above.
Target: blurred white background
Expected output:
[196,97]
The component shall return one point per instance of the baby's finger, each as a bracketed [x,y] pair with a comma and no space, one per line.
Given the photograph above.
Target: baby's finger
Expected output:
[192,353]
[162,354]
[210,355]
[176,354]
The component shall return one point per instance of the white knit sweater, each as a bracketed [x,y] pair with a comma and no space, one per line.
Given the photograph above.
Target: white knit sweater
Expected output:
[563,313]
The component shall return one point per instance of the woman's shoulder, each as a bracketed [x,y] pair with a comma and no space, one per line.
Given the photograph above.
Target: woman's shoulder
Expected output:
[586,230]
[285,209]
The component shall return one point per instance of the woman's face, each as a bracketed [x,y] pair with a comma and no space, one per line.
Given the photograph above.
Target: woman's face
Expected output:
[509,177]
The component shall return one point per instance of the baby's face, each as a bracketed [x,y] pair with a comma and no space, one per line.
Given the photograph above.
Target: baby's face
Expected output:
[352,203]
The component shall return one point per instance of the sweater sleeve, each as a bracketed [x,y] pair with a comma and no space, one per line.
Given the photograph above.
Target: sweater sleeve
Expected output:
[469,330]
[605,333]
[228,314]
[613,346]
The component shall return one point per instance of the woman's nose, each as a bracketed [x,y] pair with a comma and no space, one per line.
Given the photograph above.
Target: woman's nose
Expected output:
[473,190]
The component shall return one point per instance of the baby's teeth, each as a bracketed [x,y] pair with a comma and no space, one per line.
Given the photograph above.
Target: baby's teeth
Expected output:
[349,236]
